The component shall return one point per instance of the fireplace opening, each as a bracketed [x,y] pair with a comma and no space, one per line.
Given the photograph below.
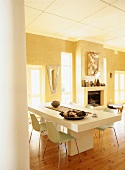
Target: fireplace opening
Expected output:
[94,98]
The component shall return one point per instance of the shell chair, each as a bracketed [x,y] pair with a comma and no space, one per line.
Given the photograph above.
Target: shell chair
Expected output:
[39,127]
[103,128]
[58,137]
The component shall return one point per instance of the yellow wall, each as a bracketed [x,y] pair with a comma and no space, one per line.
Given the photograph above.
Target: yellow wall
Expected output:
[114,62]
[45,51]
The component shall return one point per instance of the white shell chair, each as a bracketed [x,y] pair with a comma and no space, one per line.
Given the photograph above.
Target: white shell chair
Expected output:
[58,137]
[39,127]
[103,128]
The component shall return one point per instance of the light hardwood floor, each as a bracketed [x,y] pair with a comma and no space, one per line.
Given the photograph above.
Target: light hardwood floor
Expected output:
[110,158]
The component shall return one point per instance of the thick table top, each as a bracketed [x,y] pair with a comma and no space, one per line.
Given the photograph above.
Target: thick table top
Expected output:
[85,124]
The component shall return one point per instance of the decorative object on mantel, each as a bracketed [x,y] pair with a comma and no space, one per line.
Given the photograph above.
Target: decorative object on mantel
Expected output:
[83,83]
[55,103]
[93,63]
[102,84]
[98,83]
[53,74]
[95,83]
[91,84]
[87,84]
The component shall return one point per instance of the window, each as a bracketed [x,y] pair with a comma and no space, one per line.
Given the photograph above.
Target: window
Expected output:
[119,86]
[66,74]
[35,84]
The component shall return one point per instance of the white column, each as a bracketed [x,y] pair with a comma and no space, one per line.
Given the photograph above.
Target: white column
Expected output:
[14,148]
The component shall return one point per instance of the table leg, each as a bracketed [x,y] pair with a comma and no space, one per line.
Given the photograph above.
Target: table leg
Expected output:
[85,141]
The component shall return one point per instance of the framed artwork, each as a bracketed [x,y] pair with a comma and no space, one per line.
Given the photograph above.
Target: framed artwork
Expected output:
[53,74]
[93,63]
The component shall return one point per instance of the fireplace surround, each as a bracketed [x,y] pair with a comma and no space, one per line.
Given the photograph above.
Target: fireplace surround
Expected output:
[101,90]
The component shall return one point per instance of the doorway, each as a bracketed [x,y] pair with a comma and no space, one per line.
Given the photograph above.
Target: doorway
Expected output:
[35,84]
[119,87]
[66,76]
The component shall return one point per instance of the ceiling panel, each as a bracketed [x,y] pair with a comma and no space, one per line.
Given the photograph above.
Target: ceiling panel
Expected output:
[116,34]
[75,9]
[118,43]
[38,4]
[109,1]
[81,30]
[117,27]
[50,23]
[106,18]
[30,15]
[101,21]
[120,4]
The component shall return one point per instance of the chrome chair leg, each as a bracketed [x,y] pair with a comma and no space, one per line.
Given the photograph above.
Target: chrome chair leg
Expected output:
[115,136]
[78,150]
[45,148]
[30,135]
[39,144]
[66,150]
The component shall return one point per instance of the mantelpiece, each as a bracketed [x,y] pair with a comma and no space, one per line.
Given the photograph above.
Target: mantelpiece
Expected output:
[84,95]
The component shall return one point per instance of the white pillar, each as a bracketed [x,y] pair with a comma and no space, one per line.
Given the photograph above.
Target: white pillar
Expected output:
[14,148]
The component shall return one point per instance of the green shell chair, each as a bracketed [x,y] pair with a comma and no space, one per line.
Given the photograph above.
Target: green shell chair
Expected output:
[39,127]
[103,128]
[58,137]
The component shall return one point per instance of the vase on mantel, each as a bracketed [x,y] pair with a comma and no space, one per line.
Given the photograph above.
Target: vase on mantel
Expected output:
[98,82]
[95,82]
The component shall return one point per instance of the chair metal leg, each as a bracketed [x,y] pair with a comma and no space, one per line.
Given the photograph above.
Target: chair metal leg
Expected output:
[30,135]
[45,148]
[39,144]
[78,150]
[66,150]
[59,157]
[115,136]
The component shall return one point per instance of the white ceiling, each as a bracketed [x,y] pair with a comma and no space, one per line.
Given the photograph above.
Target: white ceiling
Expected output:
[101,21]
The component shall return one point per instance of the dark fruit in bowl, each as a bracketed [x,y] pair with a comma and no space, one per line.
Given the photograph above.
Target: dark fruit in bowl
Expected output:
[62,114]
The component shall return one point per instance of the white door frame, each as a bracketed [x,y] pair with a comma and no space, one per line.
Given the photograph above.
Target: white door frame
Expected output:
[42,83]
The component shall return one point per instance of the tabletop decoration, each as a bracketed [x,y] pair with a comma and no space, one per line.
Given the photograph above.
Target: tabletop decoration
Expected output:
[74,114]
[94,115]
[55,104]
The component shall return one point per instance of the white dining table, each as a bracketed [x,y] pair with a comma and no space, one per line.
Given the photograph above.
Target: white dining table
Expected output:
[80,129]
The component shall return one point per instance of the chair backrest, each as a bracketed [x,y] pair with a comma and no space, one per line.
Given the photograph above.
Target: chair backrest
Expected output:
[35,123]
[53,134]
[110,110]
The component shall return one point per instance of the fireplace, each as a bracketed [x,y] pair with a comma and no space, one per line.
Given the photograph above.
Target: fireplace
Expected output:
[100,92]
[94,98]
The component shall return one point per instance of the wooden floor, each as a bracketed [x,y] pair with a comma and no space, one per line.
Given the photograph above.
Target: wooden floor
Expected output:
[110,158]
